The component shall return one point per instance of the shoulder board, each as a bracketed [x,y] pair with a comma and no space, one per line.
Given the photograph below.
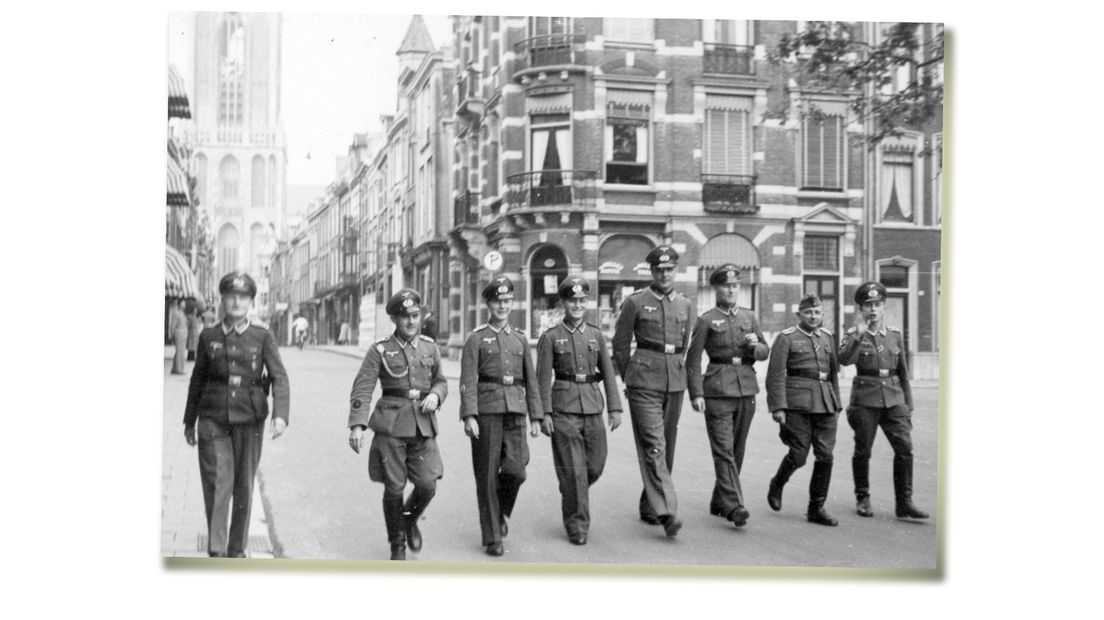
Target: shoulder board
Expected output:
[789,330]
[383,340]
[851,330]
[258,324]
[826,330]
[480,327]
[893,329]
[593,326]
[427,338]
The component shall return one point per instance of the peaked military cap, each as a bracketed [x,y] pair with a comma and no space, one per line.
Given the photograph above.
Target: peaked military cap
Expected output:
[870,291]
[406,301]
[574,288]
[500,289]
[725,274]
[237,282]
[808,300]
[662,257]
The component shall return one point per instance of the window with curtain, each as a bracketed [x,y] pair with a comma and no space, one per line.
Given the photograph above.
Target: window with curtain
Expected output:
[823,152]
[551,148]
[727,135]
[896,191]
[229,173]
[627,141]
[257,179]
[231,89]
[629,30]
[728,31]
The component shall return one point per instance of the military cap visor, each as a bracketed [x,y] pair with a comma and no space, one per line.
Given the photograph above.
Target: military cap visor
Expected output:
[574,288]
[725,274]
[237,282]
[662,257]
[405,302]
[870,291]
[500,288]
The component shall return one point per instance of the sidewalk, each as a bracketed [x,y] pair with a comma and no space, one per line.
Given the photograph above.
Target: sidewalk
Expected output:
[183,526]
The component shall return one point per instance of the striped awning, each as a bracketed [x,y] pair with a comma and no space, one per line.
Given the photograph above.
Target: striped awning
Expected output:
[180,281]
[178,96]
[178,194]
[729,248]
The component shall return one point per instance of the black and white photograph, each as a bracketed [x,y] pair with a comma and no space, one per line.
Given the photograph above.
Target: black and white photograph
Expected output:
[553,290]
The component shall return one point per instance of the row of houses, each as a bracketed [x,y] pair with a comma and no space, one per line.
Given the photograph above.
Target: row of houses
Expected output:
[575,145]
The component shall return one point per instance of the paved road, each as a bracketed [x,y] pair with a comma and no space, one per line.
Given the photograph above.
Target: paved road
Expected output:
[323,506]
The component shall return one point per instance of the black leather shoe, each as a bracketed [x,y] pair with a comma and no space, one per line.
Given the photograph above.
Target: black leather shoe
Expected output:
[716,512]
[862,507]
[494,549]
[503,529]
[577,539]
[905,510]
[739,516]
[671,525]
[774,496]
[817,515]
[398,552]
[236,554]
[216,554]
[650,520]
[413,535]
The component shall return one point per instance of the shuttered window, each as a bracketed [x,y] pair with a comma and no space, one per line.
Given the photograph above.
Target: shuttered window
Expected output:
[727,140]
[823,152]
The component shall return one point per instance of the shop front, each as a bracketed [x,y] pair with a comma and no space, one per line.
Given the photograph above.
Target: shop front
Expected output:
[547,268]
[621,270]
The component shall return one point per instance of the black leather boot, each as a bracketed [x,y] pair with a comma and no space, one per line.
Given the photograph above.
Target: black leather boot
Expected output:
[412,511]
[818,493]
[393,518]
[774,493]
[398,552]
[860,470]
[902,487]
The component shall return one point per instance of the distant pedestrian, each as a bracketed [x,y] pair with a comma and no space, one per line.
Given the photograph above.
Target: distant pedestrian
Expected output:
[571,361]
[194,325]
[404,422]
[343,333]
[236,363]
[300,326]
[178,329]
[498,389]
[803,397]
[880,396]
[729,336]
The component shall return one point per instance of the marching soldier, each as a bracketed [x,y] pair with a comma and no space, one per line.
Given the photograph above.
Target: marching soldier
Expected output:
[731,338]
[655,378]
[498,388]
[803,397]
[236,363]
[880,396]
[571,361]
[404,422]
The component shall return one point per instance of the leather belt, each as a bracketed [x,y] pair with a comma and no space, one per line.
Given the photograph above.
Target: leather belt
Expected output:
[237,381]
[669,349]
[579,377]
[412,394]
[734,361]
[881,372]
[808,374]
[503,380]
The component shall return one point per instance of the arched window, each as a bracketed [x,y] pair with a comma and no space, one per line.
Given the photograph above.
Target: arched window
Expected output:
[231,90]
[729,248]
[547,268]
[258,182]
[228,241]
[229,173]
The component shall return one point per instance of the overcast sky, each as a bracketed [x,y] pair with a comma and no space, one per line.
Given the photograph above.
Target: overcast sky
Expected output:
[339,76]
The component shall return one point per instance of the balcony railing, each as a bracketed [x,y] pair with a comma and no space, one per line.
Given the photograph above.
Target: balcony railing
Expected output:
[551,188]
[728,59]
[466,209]
[729,193]
[549,49]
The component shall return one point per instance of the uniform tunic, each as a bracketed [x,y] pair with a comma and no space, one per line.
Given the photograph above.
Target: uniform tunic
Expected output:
[498,386]
[571,362]
[729,387]
[227,404]
[655,375]
[803,380]
[880,392]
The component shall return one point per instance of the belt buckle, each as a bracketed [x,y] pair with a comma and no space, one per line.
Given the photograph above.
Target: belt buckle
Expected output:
[580,377]
[507,379]
[234,380]
[883,372]
[668,349]
[413,394]
[736,361]
[823,376]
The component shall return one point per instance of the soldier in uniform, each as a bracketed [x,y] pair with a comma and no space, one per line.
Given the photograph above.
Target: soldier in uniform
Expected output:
[803,397]
[658,318]
[731,338]
[404,422]
[880,396]
[498,389]
[236,363]
[571,361]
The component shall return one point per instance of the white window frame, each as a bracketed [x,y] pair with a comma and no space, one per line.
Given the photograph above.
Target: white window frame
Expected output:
[916,141]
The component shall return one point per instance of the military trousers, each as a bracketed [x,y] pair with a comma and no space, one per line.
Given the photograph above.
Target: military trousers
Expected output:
[655,417]
[228,458]
[499,457]
[896,424]
[727,421]
[394,460]
[804,430]
[579,452]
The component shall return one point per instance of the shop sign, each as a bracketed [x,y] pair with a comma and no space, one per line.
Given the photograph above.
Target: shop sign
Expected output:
[610,268]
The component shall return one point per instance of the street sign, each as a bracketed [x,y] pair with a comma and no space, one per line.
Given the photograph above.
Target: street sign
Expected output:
[492,261]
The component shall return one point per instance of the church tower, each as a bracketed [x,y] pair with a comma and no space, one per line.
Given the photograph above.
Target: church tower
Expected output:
[239,145]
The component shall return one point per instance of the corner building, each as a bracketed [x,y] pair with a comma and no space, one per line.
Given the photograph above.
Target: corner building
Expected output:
[581,143]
